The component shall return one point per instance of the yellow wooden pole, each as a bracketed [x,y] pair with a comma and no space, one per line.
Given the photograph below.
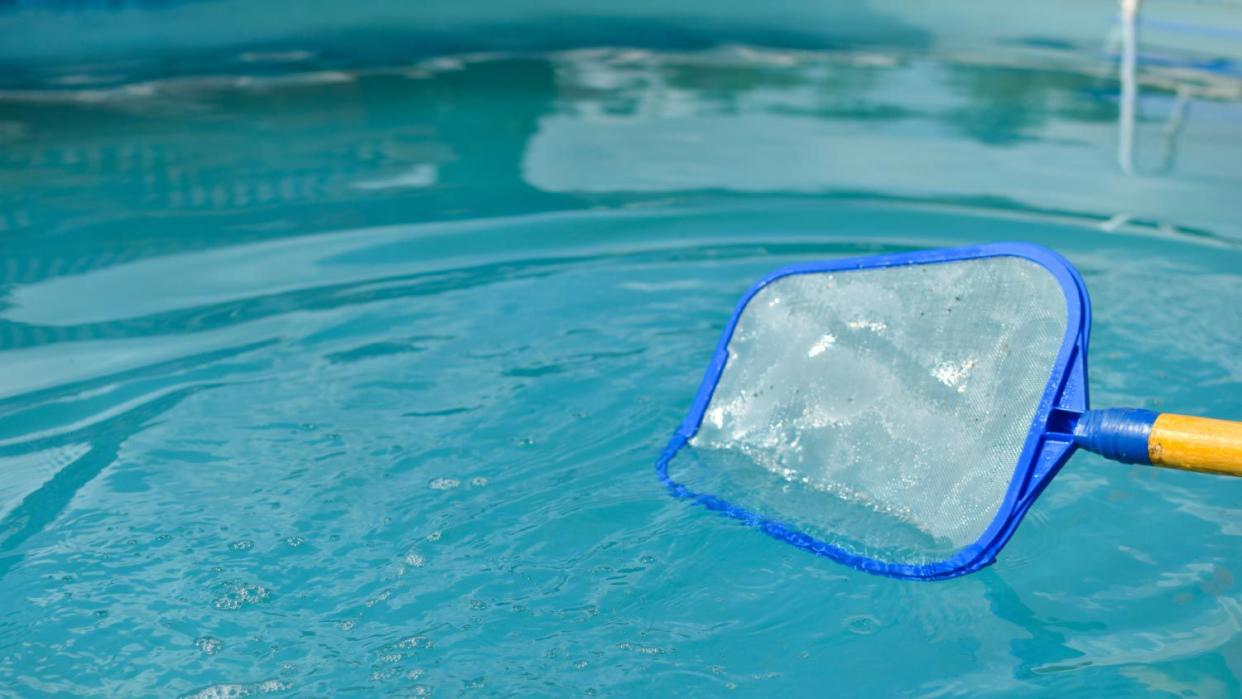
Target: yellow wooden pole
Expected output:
[1196,444]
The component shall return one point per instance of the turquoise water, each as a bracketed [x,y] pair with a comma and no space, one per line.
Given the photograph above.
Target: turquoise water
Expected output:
[326,383]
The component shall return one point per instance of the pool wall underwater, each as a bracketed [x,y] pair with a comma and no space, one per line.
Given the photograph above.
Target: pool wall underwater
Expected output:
[41,40]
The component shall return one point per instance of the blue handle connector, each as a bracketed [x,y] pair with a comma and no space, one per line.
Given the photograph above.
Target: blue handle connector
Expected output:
[1119,434]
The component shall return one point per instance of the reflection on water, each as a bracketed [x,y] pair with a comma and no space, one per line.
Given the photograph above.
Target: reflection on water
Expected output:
[1037,133]
[353,379]
[182,164]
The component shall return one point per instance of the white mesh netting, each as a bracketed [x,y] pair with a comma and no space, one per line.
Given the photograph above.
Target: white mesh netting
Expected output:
[872,400]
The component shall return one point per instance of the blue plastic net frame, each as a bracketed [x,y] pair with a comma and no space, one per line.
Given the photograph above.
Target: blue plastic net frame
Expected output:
[1048,445]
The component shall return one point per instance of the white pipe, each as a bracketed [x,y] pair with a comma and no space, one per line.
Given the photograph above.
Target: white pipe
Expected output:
[1129,85]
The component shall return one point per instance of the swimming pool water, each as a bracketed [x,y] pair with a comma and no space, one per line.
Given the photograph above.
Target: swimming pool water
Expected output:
[327,383]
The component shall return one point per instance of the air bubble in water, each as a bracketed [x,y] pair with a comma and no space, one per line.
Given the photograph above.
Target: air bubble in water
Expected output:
[236,691]
[242,595]
[208,644]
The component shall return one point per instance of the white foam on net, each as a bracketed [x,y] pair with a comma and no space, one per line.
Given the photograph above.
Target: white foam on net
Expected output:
[908,389]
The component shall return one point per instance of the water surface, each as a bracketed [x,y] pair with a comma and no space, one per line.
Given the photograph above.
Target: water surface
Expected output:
[328,382]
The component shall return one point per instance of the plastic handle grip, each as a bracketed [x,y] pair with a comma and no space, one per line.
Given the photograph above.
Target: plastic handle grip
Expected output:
[1196,444]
